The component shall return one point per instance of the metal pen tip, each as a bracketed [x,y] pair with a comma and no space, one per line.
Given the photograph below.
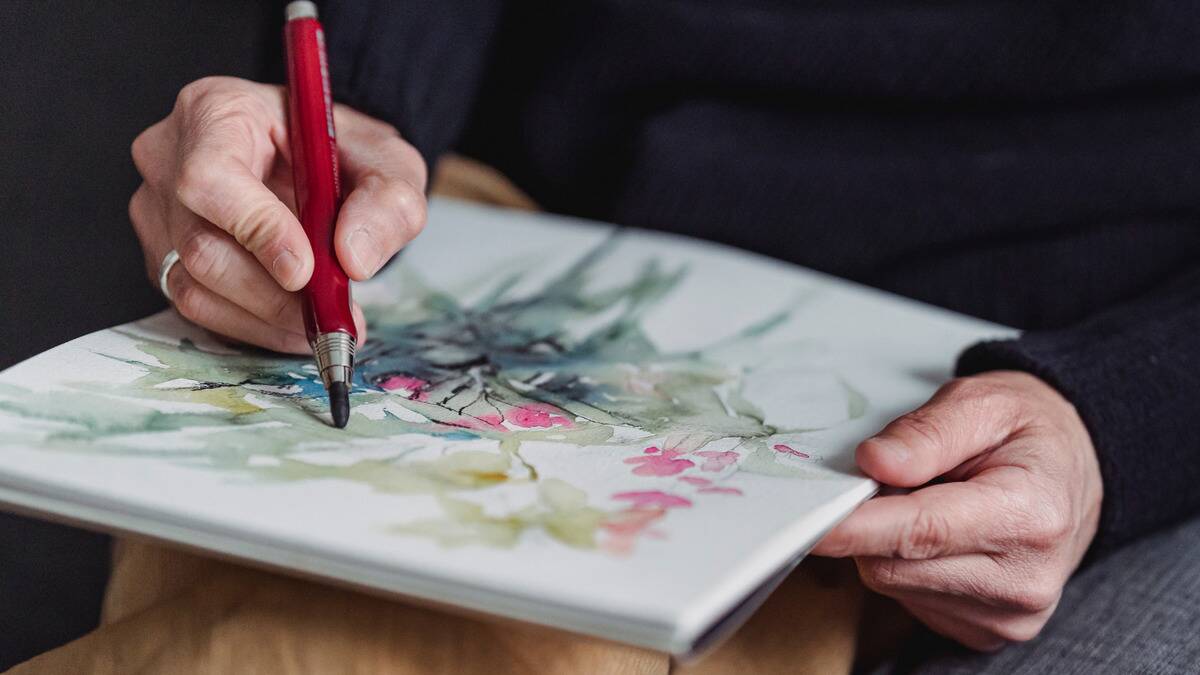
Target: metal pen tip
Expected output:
[335,361]
[339,404]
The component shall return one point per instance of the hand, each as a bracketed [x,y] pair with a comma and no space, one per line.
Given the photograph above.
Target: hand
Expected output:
[980,555]
[218,189]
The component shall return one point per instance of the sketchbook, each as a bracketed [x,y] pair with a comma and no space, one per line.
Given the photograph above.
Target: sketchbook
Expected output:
[620,433]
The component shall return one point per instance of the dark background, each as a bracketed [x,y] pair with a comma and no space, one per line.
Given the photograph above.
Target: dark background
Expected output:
[80,80]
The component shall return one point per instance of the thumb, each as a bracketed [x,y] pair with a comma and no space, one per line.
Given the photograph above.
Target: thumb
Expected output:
[965,418]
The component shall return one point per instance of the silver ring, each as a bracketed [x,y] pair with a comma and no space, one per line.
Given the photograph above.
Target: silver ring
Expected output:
[164,269]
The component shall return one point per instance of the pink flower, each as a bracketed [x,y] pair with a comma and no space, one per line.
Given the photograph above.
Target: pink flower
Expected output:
[408,386]
[718,490]
[652,499]
[695,480]
[632,521]
[788,450]
[664,464]
[492,422]
[626,526]
[537,415]
[717,460]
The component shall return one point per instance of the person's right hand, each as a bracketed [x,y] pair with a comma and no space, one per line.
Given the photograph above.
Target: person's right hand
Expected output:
[217,187]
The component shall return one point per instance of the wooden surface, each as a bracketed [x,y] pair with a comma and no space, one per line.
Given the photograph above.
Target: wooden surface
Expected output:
[167,611]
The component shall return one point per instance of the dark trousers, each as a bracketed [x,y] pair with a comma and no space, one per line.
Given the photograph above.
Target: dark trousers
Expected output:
[1135,611]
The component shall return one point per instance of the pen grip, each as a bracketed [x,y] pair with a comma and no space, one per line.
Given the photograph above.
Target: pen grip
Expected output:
[315,174]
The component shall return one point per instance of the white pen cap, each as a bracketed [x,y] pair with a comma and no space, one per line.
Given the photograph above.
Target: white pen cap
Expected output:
[301,9]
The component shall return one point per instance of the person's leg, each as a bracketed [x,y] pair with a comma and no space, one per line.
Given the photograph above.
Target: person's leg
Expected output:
[1135,611]
[167,611]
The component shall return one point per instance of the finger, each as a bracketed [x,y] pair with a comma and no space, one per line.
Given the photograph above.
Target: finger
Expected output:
[379,217]
[385,208]
[217,261]
[939,520]
[946,625]
[360,323]
[966,621]
[965,418]
[975,577]
[151,152]
[146,214]
[215,181]
[203,307]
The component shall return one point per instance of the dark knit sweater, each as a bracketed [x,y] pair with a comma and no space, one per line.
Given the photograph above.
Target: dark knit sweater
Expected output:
[1035,164]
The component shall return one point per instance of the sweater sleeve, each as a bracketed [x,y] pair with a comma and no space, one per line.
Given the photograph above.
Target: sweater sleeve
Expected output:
[1133,373]
[416,64]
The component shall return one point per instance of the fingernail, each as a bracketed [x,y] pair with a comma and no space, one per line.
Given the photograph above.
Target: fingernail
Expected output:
[285,267]
[365,251]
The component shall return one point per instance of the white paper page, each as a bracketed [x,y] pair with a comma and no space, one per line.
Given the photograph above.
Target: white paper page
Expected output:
[621,434]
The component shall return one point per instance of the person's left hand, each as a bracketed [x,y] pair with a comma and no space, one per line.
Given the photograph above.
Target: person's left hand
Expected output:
[980,555]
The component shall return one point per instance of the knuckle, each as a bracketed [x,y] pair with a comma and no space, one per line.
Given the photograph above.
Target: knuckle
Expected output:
[402,199]
[256,228]
[412,157]
[201,91]
[407,201]
[1046,526]
[203,256]
[233,105]
[981,394]
[1034,598]
[395,194]
[967,387]
[194,92]
[1052,532]
[139,151]
[982,386]
[221,114]
[188,299]
[918,425]
[926,536]
[357,126]
[381,129]
[194,181]
[188,94]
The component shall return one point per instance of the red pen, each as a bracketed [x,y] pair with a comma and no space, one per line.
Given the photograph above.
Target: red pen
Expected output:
[328,320]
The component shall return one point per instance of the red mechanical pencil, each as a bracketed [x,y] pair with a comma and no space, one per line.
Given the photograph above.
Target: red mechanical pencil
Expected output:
[328,320]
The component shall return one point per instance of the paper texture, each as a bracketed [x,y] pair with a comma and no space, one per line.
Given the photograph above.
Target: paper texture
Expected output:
[614,432]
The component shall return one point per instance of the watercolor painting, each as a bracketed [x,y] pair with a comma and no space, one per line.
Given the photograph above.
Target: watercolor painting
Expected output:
[612,431]
[448,395]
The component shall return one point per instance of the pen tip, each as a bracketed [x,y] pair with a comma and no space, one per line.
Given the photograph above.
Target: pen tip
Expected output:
[339,404]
